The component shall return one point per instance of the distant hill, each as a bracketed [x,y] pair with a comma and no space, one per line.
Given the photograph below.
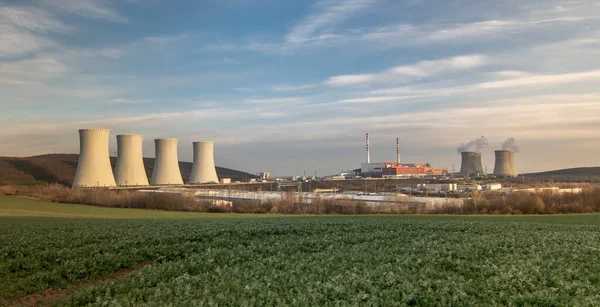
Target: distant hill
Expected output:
[61,168]
[570,174]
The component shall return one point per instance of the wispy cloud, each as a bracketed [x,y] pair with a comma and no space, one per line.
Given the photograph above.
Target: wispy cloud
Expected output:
[272,115]
[419,70]
[167,39]
[542,80]
[130,101]
[328,13]
[86,8]
[41,68]
[22,29]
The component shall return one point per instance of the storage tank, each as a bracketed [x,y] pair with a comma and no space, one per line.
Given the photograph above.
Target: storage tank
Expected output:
[471,164]
[93,168]
[166,164]
[130,170]
[505,164]
[203,167]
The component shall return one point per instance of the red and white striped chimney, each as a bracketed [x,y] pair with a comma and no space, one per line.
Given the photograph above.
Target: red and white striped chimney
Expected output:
[368,153]
[398,150]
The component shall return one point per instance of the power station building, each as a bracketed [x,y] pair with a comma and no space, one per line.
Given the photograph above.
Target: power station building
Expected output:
[130,170]
[166,164]
[471,164]
[396,169]
[94,169]
[203,167]
[505,164]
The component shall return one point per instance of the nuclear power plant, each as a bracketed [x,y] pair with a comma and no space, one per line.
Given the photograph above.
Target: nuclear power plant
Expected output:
[471,164]
[203,167]
[130,170]
[93,168]
[166,164]
[505,164]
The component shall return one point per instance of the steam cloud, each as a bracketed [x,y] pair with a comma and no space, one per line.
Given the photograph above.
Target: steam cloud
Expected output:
[509,144]
[474,145]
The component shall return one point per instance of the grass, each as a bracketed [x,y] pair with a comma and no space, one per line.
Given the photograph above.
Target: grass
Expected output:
[11,206]
[237,259]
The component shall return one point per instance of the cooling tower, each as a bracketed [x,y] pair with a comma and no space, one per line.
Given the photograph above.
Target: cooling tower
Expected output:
[471,164]
[203,169]
[505,164]
[130,164]
[166,164]
[93,169]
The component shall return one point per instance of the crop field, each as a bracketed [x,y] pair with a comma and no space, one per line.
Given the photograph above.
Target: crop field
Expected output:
[329,260]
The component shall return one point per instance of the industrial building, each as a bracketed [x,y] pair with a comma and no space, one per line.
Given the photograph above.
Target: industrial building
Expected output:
[130,170]
[505,164]
[471,165]
[396,169]
[93,168]
[203,167]
[166,164]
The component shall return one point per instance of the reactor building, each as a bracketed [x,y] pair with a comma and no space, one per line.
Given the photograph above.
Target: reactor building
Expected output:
[471,164]
[93,168]
[130,170]
[203,166]
[505,164]
[166,164]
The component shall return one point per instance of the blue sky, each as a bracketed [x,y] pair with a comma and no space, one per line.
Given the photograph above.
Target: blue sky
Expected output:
[286,86]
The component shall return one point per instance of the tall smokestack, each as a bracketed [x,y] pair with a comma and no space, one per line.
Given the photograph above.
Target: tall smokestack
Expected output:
[505,164]
[203,168]
[471,164]
[368,153]
[130,164]
[166,165]
[93,169]
[398,150]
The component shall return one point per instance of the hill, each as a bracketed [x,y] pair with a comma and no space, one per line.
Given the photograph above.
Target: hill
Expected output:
[590,174]
[61,168]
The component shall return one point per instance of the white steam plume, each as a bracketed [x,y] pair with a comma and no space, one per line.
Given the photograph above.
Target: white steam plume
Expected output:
[509,144]
[474,145]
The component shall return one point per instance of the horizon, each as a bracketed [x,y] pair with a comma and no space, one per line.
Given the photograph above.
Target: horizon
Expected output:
[283,87]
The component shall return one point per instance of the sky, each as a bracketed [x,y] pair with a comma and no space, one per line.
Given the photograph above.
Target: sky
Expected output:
[289,86]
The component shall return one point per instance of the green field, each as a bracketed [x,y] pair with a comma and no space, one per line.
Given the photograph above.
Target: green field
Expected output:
[321,260]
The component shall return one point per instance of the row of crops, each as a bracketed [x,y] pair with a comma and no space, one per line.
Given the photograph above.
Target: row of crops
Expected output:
[305,261]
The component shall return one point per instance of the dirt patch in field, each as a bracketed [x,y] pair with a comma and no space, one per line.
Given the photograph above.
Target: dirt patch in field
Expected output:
[50,296]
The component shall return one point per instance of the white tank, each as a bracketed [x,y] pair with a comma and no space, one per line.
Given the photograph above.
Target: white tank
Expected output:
[166,165]
[93,169]
[203,168]
[130,170]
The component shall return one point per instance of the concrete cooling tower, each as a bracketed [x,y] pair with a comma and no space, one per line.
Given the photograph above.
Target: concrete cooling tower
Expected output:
[203,168]
[166,165]
[471,164]
[505,164]
[130,164]
[93,169]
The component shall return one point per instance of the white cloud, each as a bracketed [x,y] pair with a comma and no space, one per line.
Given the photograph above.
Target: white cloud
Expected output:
[98,9]
[419,70]
[272,115]
[345,80]
[328,13]
[167,39]
[44,67]
[21,29]
[293,88]
[130,101]
[276,101]
[542,80]
[31,19]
